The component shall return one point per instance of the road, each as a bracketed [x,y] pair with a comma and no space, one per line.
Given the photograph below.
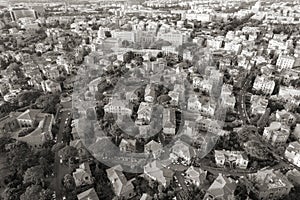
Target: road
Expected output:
[241,99]
[60,169]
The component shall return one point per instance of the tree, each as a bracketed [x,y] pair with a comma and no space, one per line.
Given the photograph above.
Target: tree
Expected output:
[4,141]
[69,182]
[34,175]
[107,34]
[125,43]
[36,192]
[21,156]
[128,56]
[256,150]
[68,152]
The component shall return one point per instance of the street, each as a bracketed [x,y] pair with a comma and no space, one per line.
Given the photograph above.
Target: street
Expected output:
[60,169]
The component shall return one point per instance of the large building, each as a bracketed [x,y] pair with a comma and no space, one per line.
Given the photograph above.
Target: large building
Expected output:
[276,133]
[285,62]
[292,153]
[23,13]
[268,185]
[174,37]
[264,85]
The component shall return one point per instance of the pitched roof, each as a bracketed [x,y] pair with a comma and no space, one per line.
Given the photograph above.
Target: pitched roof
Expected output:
[119,181]
[89,194]
[182,148]
[29,114]
[158,172]
[222,187]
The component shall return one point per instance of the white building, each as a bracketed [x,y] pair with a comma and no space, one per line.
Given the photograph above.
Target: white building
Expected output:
[288,92]
[194,105]
[169,121]
[117,107]
[258,104]
[276,133]
[285,62]
[264,85]
[232,159]
[124,35]
[292,153]
[50,86]
[176,38]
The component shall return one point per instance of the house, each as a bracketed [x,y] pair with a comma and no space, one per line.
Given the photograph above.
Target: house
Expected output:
[292,153]
[150,94]
[28,118]
[144,113]
[233,159]
[132,96]
[276,133]
[146,196]
[258,105]
[5,86]
[296,132]
[121,186]
[8,124]
[288,92]
[157,172]
[50,86]
[83,175]
[52,73]
[204,85]
[83,153]
[294,177]
[93,85]
[174,98]
[193,104]
[89,194]
[127,145]
[233,46]
[195,175]
[153,148]
[158,66]
[182,150]
[227,98]
[285,117]
[268,184]
[117,107]
[264,85]
[169,121]
[222,188]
